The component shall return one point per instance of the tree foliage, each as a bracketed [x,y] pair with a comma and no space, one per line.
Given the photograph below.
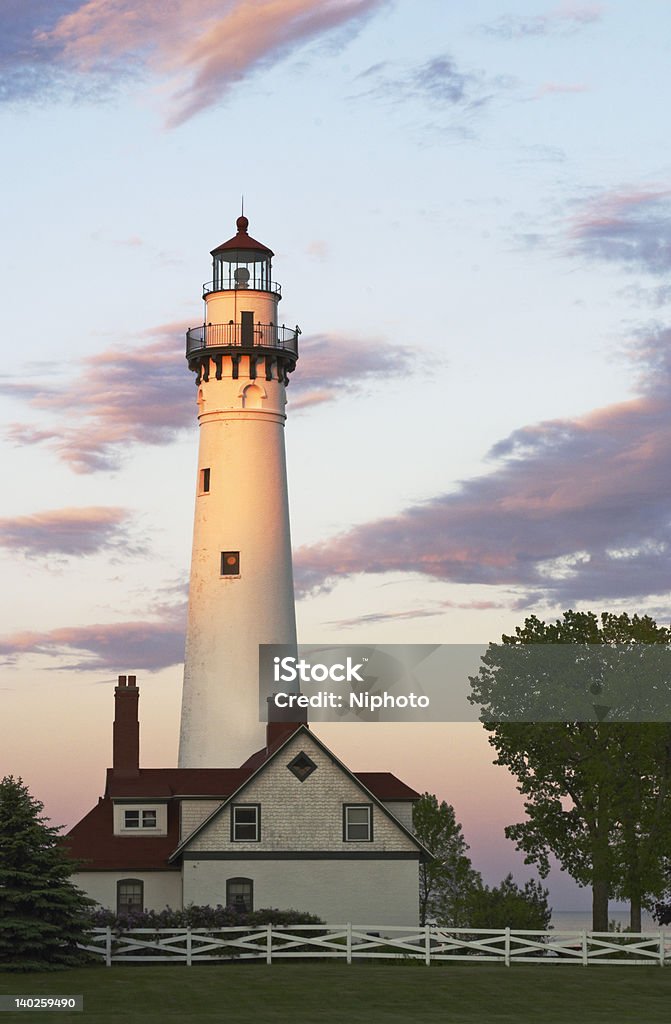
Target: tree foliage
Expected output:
[445,883]
[43,915]
[597,792]
[508,906]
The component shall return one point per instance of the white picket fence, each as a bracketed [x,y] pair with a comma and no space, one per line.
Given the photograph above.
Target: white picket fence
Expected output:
[376,942]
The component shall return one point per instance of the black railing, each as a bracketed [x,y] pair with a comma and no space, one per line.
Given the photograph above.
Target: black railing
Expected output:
[224,336]
[229,284]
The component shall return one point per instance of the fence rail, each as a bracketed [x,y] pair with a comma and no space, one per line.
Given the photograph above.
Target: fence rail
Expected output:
[365,942]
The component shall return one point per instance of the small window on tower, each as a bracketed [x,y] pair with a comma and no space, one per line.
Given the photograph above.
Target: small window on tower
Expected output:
[204,487]
[230,563]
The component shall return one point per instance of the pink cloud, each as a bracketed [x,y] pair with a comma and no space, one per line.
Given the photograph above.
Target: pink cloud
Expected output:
[143,395]
[120,646]
[553,88]
[202,47]
[123,397]
[631,227]
[68,531]
[574,509]
[350,365]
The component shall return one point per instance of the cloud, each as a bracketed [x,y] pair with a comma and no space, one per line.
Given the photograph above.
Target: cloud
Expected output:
[573,510]
[200,48]
[438,82]
[68,531]
[373,618]
[348,365]
[563,21]
[151,645]
[554,88]
[632,228]
[122,396]
[141,395]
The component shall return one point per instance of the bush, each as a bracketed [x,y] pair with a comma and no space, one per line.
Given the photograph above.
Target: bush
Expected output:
[198,917]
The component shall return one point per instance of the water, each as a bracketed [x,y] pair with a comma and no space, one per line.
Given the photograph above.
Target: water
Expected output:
[579,920]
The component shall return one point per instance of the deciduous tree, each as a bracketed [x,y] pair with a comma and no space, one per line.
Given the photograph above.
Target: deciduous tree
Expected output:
[597,792]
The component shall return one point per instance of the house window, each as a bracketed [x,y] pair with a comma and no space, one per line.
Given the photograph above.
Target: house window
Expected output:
[139,819]
[302,766]
[358,823]
[230,563]
[246,823]
[240,894]
[204,481]
[129,896]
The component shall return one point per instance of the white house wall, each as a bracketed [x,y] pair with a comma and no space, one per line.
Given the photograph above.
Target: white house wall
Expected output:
[373,892]
[161,888]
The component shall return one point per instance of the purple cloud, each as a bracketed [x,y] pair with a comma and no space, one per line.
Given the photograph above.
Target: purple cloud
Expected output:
[632,228]
[373,618]
[574,509]
[141,395]
[69,532]
[325,368]
[123,397]
[439,82]
[120,646]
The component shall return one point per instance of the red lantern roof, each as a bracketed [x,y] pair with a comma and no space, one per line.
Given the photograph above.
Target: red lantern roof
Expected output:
[242,240]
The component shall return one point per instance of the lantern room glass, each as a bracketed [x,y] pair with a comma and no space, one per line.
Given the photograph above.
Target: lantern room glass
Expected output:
[240,269]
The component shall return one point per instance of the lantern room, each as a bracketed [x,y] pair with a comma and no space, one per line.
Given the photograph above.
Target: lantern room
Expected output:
[241,264]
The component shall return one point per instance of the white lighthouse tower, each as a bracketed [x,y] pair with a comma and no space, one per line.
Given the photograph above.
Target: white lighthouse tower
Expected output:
[241,586]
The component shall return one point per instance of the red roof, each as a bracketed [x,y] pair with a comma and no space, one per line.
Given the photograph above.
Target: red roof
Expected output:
[92,841]
[386,786]
[165,783]
[242,240]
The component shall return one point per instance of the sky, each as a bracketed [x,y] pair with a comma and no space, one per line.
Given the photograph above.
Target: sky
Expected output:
[470,207]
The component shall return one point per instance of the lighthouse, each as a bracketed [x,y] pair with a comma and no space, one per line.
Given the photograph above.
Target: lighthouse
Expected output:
[241,584]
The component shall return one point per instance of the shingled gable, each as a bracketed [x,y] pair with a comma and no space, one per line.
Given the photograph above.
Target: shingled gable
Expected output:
[381,786]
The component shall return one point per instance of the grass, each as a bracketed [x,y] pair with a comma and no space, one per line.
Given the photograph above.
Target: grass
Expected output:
[333,993]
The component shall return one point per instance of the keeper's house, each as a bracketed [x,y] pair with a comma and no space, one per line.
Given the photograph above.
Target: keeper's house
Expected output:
[293,827]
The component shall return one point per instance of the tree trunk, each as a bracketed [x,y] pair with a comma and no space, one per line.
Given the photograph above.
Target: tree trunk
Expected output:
[600,906]
[635,913]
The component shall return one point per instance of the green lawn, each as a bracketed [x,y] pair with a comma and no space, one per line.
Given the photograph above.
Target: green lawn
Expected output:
[333,993]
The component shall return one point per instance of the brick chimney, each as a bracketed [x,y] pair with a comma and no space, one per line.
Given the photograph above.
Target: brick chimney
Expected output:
[126,734]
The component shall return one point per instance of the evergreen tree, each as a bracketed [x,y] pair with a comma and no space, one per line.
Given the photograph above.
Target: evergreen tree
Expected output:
[43,915]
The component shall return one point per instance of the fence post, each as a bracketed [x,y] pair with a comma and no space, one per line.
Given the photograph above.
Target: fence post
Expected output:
[585,958]
[269,944]
[188,947]
[427,945]
[349,942]
[662,949]
[108,946]
[507,948]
